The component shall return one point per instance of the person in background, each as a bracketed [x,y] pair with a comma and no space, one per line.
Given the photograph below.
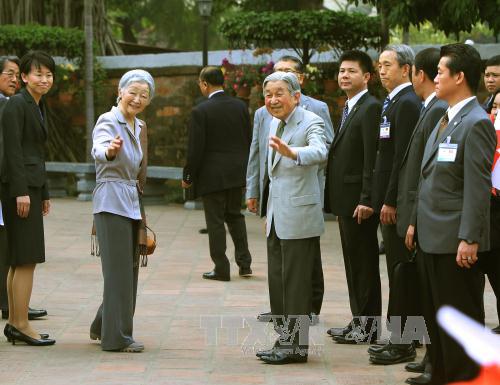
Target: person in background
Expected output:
[119,161]
[491,80]
[25,193]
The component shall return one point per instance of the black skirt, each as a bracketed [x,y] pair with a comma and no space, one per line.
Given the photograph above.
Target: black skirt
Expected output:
[25,236]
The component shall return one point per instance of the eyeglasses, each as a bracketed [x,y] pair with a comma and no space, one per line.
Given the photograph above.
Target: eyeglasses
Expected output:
[11,74]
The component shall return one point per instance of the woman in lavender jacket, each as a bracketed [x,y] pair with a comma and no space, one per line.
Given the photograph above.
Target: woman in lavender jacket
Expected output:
[118,157]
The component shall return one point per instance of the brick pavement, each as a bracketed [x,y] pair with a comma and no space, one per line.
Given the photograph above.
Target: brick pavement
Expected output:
[175,311]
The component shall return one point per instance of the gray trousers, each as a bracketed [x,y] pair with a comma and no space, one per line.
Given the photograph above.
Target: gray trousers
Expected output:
[117,237]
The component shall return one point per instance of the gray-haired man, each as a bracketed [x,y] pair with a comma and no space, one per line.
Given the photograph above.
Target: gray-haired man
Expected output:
[294,214]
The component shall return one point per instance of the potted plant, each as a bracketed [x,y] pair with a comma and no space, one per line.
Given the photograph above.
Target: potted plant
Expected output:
[239,79]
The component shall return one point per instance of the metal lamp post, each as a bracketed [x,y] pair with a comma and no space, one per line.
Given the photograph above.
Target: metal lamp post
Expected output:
[205,10]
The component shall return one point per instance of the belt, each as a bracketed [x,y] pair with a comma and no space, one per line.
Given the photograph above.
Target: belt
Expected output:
[129,182]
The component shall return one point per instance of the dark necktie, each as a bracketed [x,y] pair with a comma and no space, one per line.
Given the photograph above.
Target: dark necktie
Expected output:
[279,133]
[443,124]
[345,113]
[387,100]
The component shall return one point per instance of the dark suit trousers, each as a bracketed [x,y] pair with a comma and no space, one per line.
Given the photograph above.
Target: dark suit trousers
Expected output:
[318,282]
[443,282]
[290,269]
[489,261]
[225,206]
[4,269]
[361,260]
[399,276]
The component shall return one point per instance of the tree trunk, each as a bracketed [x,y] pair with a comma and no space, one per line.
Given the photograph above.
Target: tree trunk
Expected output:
[89,75]
[384,23]
[406,34]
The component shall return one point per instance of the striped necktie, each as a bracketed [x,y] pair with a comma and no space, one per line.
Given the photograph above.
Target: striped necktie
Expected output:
[345,113]
[443,124]
[279,133]
[387,100]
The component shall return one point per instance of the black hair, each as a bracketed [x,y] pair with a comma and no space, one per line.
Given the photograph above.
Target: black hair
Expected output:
[362,58]
[298,63]
[37,59]
[427,60]
[493,61]
[212,75]
[463,58]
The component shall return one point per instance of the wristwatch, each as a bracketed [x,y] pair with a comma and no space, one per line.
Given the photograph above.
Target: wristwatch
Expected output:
[469,241]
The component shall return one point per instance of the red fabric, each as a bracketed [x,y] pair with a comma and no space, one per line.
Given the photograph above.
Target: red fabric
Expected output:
[489,375]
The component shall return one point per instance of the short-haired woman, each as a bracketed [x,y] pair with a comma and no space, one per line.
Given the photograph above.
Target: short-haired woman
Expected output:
[118,157]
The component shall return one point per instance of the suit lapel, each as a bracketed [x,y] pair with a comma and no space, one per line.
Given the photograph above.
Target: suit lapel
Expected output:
[35,110]
[434,140]
[420,119]
[395,99]
[351,115]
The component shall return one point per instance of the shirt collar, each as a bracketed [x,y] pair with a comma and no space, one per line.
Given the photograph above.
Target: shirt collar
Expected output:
[429,98]
[352,101]
[2,96]
[215,92]
[453,111]
[396,90]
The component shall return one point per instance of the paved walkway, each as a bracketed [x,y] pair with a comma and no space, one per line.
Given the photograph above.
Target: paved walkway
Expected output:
[176,314]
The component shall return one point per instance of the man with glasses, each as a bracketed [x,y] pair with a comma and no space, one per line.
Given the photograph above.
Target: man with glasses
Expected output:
[257,196]
[9,80]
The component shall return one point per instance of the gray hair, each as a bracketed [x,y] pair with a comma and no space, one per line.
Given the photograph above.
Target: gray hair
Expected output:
[5,59]
[137,76]
[289,78]
[404,53]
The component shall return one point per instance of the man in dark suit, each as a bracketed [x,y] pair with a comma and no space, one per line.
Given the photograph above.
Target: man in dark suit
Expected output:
[219,141]
[9,78]
[423,73]
[491,80]
[400,113]
[453,209]
[349,196]
[256,172]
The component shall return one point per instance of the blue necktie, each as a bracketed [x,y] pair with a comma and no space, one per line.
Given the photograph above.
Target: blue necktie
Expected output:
[387,100]
[345,113]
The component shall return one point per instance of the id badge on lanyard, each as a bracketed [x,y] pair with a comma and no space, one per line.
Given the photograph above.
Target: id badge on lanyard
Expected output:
[385,129]
[447,151]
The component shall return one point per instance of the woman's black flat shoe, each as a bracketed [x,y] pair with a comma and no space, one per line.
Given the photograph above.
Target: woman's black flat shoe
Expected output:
[16,335]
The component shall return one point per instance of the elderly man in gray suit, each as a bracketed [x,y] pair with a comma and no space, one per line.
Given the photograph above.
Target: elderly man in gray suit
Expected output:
[294,214]
[453,199]
[256,172]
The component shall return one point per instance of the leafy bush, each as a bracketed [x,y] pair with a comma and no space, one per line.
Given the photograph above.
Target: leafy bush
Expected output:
[304,31]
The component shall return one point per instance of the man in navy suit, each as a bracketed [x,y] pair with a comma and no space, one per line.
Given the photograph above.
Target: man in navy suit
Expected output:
[400,114]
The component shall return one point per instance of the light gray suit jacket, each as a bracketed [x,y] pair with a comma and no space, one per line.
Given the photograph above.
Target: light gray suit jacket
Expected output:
[453,199]
[256,170]
[294,203]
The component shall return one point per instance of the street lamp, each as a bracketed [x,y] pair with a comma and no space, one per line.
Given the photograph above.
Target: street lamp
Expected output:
[205,10]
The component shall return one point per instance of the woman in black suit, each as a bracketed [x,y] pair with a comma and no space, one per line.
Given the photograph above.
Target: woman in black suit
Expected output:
[25,197]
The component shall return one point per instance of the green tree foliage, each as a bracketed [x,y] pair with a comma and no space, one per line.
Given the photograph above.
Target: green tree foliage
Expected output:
[16,39]
[304,31]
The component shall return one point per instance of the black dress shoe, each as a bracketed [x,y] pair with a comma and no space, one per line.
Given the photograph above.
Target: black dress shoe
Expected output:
[282,357]
[423,379]
[32,313]
[16,335]
[337,332]
[265,317]
[415,367]
[7,332]
[356,336]
[496,330]
[394,354]
[245,272]
[36,313]
[212,275]
[203,231]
